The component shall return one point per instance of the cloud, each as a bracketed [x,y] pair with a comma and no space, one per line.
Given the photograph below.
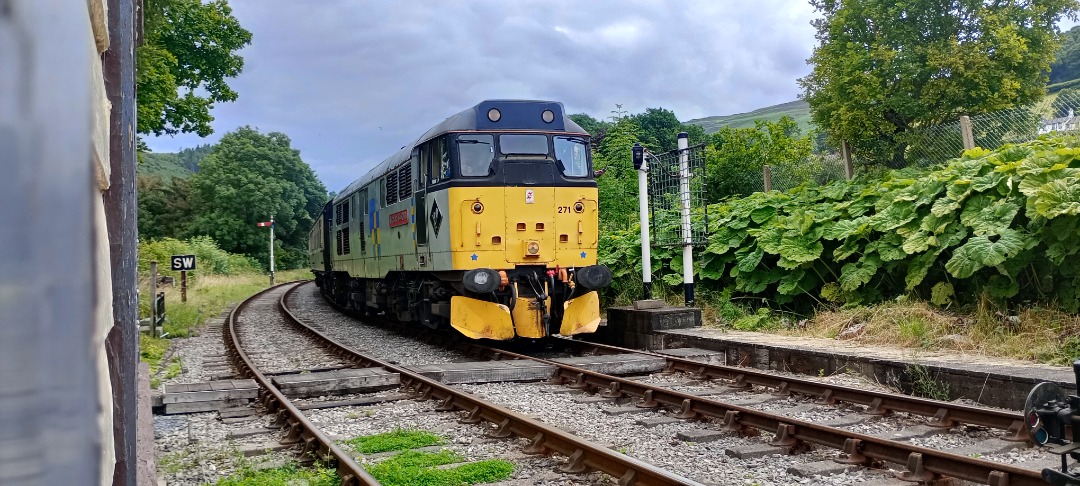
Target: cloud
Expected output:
[351,82]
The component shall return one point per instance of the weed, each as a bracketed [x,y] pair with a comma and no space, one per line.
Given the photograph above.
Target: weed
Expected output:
[352,415]
[924,385]
[288,475]
[396,440]
[413,468]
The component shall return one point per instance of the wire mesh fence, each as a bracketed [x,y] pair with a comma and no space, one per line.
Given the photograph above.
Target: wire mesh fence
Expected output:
[667,192]
[817,169]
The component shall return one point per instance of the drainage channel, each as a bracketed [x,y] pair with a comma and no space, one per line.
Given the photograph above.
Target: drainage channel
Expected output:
[582,455]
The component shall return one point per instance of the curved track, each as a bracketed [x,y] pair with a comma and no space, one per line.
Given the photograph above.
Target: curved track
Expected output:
[922,464]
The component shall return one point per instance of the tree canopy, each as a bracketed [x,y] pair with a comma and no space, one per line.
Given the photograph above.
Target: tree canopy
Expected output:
[883,68]
[189,53]
[249,177]
[1066,65]
[735,157]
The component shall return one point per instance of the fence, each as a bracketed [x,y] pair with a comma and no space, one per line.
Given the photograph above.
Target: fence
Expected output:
[927,146]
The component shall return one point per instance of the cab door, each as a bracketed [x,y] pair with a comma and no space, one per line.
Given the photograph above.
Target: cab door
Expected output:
[419,210]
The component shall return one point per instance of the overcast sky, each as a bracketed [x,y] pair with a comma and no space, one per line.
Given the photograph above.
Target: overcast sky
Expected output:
[352,81]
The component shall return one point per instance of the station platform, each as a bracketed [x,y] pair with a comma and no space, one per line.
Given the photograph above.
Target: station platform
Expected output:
[989,381]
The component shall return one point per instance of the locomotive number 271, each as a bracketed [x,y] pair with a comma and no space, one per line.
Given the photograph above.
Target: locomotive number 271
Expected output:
[564,209]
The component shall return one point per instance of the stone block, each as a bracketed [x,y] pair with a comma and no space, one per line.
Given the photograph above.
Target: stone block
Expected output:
[647,321]
[754,451]
[649,304]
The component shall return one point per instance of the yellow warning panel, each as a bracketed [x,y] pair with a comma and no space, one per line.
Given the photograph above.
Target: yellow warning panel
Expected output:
[581,314]
[528,319]
[478,319]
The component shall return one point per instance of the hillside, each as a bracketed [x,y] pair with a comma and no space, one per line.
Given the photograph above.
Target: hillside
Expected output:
[168,165]
[799,110]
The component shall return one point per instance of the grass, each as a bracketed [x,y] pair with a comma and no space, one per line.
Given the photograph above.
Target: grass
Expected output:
[413,468]
[289,475]
[924,385]
[207,298]
[396,440]
[1038,334]
[798,110]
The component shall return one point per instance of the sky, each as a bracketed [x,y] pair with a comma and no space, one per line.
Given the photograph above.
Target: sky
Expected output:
[351,82]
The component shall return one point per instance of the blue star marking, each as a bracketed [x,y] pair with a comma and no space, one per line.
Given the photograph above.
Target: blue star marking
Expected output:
[475,256]
[582,254]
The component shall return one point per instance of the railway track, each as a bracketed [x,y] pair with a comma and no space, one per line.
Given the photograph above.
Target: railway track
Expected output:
[791,434]
[314,444]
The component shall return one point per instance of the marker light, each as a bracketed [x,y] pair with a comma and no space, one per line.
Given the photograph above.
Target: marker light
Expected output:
[494,114]
[533,248]
[548,116]
[1033,419]
[1040,436]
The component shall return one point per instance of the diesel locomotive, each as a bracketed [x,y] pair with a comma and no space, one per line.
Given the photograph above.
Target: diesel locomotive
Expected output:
[486,224]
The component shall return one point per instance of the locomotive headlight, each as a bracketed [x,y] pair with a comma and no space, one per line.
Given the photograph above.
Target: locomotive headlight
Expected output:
[579,208]
[494,114]
[481,280]
[548,116]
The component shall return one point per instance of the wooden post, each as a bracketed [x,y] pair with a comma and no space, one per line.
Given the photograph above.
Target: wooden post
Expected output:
[183,285]
[153,299]
[845,152]
[767,172]
[966,133]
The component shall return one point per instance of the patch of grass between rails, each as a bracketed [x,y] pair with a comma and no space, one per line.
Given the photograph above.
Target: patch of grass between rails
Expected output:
[288,475]
[413,468]
[396,440]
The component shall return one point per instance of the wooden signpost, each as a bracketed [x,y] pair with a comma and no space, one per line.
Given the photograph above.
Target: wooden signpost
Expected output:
[183,263]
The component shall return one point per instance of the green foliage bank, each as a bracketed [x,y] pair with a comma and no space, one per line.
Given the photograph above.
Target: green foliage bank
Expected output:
[1003,224]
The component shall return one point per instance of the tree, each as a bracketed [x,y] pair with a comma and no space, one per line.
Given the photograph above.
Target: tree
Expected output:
[1066,65]
[189,52]
[883,68]
[617,186]
[164,207]
[248,178]
[735,157]
[660,129]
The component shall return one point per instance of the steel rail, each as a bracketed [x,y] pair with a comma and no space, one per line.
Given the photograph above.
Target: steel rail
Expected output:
[923,464]
[583,455]
[943,414]
[301,431]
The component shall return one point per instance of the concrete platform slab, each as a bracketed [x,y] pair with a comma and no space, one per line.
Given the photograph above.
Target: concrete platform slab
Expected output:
[995,382]
[486,371]
[336,382]
[616,364]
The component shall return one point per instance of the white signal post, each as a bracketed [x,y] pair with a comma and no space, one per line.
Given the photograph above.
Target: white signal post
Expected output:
[642,167]
[271,250]
[684,196]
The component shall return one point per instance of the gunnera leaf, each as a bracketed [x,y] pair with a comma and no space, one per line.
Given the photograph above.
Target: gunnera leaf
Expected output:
[748,260]
[857,274]
[1001,287]
[800,248]
[845,228]
[918,267]
[941,293]
[789,285]
[1058,197]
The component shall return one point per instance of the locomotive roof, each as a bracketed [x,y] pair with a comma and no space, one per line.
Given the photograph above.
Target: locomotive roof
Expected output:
[516,115]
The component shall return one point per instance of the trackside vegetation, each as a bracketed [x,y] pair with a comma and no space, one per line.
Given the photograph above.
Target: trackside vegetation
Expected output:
[998,225]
